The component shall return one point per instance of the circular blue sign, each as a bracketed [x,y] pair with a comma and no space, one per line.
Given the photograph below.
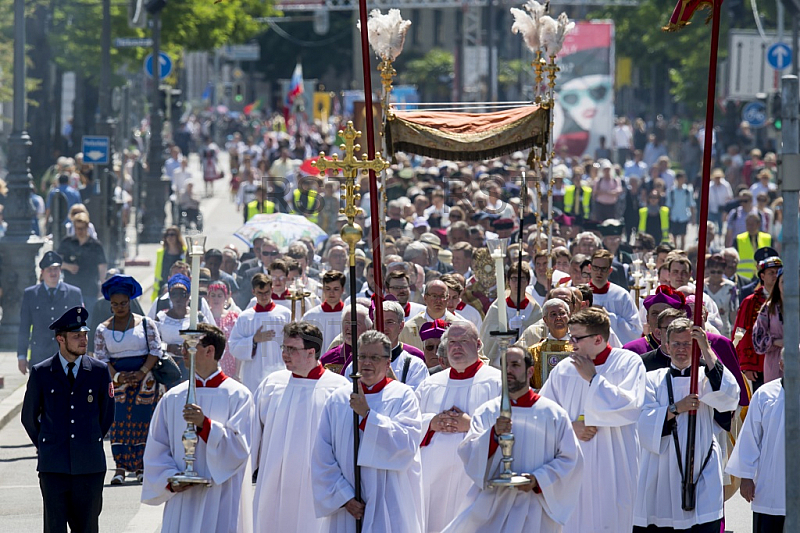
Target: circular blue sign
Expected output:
[755,113]
[165,64]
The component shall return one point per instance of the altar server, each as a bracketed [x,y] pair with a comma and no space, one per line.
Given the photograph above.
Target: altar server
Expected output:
[602,390]
[622,312]
[258,333]
[662,434]
[328,316]
[288,406]
[388,455]
[759,457]
[222,415]
[447,401]
[545,448]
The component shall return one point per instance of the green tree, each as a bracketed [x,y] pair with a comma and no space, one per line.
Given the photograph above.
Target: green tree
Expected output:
[432,73]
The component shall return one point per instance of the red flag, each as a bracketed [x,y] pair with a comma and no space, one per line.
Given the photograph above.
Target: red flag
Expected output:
[684,11]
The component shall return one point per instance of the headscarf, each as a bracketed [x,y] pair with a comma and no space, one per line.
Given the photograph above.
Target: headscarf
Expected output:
[179,279]
[121,284]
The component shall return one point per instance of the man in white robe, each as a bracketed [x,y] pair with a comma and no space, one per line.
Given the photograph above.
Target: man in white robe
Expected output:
[288,406]
[545,449]
[661,423]
[447,400]
[258,333]
[223,415]
[391,488]
[617,302]
[328,316]
[759,457]
[602,390]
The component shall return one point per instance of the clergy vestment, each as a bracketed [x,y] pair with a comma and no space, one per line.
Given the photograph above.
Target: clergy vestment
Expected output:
[470,314]
[223,456]
[263,358]
[759,453]
[545,446]
[408,369]
[388,455]
[621,310]
[530,313]
[287,413]
[611,403]
[410,333]
[283,300]
[445,481]
[658,498]
[642,345]
[328,319]
[550,344]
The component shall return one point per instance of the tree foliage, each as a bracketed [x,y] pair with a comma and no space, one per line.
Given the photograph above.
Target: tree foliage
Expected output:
[432,73]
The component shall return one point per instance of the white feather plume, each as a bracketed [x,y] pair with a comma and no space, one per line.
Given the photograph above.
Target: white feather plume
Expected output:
[527,24]
[536,9]
[386,33]
[552,32]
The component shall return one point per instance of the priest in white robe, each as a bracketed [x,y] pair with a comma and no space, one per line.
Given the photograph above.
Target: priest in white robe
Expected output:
[663,424]
[288,407]
[390,425]
[602,390]
[617,302]
[328,316]
[546,451]
[759,457]
[223,416]
[520,315]
[448,400]
[258,333]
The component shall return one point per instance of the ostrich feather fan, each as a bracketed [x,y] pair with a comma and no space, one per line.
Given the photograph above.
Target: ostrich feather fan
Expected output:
[387,33]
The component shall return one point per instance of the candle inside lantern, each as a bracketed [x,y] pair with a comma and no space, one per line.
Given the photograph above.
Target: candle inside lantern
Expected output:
[502,316]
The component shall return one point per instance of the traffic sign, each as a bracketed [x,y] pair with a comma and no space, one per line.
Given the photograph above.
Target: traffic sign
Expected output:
[755,113]
[779,56]
[165,62]
[133,42]
[95,149]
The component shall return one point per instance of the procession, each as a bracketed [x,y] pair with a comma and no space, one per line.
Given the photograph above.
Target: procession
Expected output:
[391,315]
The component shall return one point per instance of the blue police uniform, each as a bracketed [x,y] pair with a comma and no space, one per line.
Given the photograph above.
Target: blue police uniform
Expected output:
[67,418]
[40,309]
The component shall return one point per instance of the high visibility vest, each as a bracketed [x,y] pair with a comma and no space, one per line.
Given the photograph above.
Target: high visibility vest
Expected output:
[253,210]
[158,281]
[311,200]
[664,212]
[569,200]
[747,256]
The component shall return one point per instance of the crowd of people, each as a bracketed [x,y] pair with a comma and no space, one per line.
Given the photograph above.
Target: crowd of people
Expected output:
[598,377]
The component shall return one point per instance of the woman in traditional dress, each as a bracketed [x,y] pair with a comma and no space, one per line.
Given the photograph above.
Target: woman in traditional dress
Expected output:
[171,321]
[225,314]
[131,346]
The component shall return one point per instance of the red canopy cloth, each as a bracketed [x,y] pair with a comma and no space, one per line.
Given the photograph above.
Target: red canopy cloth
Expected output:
[458,136]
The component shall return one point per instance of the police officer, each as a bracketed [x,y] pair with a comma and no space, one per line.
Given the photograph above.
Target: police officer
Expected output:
[68,409]
[42,304]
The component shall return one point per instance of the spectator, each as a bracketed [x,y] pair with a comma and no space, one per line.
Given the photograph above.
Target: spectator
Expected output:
[680,201]
[768,331]
[84,259]
[719,196]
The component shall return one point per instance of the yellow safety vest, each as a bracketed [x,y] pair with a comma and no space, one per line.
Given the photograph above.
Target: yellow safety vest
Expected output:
[310,213]
[747,263]
[253,210]
[158,281]
[664,212]
[569,199]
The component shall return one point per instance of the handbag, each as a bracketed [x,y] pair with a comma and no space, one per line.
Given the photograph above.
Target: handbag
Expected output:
[166,370]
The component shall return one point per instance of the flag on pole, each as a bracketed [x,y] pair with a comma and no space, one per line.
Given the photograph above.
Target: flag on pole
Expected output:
[295,90]
[250,107]
[684,11]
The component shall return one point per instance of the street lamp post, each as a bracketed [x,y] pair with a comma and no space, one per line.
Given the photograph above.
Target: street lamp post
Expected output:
[18,248]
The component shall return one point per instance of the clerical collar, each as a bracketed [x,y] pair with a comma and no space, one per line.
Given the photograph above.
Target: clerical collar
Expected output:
[468,373]
[264,308]
[461,305]
[526,400]
[213,381]
[379,386]
[315,373]
[397,350]
[510,303]
[597,290]
[284,295]
[602,356]
[675,373]
[336,308]
[652,341]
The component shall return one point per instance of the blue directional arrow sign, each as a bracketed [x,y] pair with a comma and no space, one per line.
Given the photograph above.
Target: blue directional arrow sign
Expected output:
[95,149]
[165,62]
[779,56]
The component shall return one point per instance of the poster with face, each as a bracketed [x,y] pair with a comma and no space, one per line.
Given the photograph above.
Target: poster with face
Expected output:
[585,89]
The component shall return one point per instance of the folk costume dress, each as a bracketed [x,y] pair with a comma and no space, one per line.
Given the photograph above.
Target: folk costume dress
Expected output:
[127,351]
[288,409]
[545,446]
[391,486]
[611,402]
[259,360]
[445,481]
[223,456]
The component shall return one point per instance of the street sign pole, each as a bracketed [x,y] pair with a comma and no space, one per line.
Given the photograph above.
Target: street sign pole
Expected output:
[156,197]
